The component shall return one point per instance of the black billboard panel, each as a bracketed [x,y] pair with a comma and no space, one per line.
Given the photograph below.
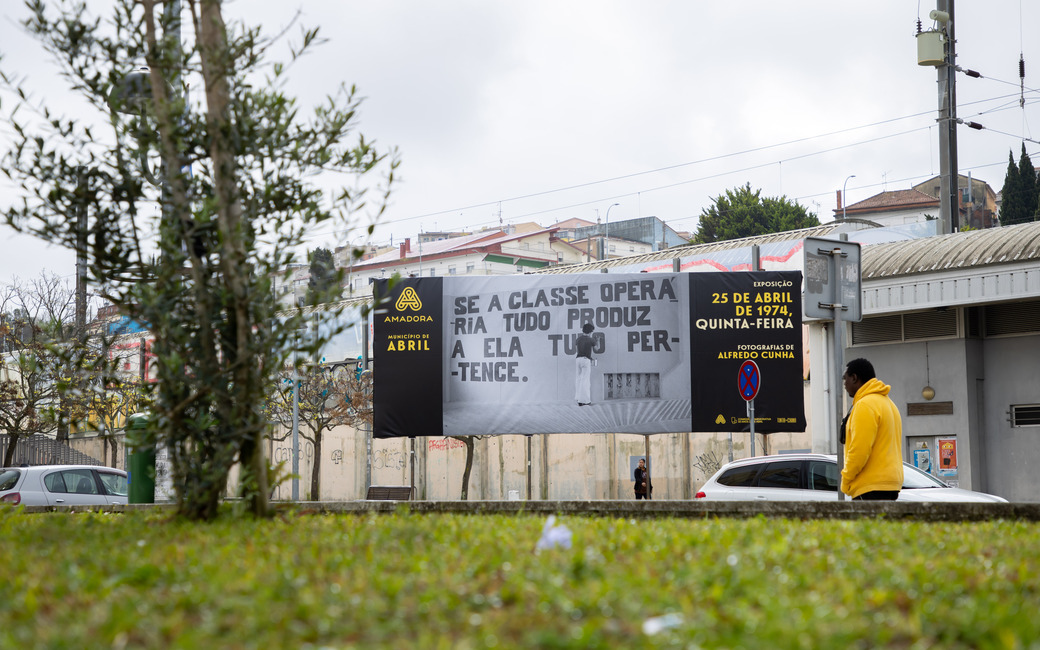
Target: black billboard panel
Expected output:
[737,317]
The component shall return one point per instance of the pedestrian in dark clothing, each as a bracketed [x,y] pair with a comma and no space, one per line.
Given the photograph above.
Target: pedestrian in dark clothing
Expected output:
[644,488]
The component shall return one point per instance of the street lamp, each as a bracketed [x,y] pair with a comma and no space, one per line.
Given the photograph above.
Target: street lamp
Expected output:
[844,199]
[606,233]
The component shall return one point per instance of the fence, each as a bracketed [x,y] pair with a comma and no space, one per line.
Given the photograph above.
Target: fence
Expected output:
[41,450]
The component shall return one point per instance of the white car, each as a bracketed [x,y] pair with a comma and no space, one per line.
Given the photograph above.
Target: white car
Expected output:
[815,477]
[63,485]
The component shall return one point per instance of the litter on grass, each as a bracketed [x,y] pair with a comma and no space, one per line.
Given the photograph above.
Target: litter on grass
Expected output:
[553,536]
[657,624]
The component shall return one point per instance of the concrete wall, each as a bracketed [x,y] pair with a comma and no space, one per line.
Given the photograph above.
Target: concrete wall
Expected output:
[1011,454]
[562,466]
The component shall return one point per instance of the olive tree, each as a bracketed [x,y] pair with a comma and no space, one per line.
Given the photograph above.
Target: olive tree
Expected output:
[237,182]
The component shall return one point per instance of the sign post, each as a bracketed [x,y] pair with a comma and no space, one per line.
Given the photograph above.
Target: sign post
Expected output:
[748,382]
[832,292]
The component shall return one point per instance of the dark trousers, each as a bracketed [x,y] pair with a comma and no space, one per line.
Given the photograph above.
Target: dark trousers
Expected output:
[642,495]
[878,495]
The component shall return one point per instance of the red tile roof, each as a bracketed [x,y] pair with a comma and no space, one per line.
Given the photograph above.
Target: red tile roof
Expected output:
[891,201]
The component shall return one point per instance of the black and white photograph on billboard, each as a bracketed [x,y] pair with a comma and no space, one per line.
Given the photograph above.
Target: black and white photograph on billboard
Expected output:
[566,353]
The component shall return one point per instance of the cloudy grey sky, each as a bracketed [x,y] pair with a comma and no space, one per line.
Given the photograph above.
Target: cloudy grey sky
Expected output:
[535,110]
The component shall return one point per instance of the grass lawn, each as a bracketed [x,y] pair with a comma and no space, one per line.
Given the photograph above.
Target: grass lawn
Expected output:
[142,580]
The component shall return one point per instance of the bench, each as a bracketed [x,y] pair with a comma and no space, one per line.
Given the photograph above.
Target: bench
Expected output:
[389,493]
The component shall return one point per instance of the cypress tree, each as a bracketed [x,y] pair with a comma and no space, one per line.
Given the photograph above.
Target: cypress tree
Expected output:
[1027,182]
[1010,199]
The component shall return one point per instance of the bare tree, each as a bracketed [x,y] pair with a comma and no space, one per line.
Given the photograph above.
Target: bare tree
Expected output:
[28,386]
[109,406]
[47,304]
[329,396]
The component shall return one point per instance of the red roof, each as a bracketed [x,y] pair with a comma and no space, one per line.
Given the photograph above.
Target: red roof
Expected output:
[891,202]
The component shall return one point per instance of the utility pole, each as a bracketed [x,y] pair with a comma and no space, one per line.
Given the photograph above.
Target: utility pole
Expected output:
[949,205]
[81,253]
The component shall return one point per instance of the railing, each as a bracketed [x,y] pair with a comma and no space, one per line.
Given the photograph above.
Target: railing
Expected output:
[41,450]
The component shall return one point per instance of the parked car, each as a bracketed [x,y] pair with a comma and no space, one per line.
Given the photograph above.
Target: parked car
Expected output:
[815,477]
[63,485]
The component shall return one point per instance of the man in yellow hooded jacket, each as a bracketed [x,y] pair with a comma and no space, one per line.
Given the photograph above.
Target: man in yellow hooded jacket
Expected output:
[873,468]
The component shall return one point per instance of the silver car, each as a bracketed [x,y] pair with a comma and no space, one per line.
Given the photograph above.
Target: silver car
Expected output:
[815,477]
[63,485]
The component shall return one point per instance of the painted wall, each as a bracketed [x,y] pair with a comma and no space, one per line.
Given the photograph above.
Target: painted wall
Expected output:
[1011,455]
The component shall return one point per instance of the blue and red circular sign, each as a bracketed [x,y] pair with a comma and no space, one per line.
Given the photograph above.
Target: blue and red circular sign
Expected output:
[748,380]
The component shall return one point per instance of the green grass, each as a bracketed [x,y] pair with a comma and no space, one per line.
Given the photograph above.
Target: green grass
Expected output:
[140,580]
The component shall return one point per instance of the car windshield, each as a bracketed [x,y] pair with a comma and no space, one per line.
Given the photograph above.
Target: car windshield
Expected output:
[8,478]
[914,479]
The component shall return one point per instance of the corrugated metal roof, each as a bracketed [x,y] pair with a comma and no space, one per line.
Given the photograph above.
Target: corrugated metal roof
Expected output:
[1004,245]
[696,249]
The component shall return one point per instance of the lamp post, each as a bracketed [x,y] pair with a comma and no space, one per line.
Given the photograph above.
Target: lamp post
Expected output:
[606,233]
[845,199]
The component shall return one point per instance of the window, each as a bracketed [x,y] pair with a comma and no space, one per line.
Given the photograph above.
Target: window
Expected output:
[740,476]
[80,481]
[8,478]
[823,476]
[115,484]
[451,269]
[785,474]
[55,482]
[470,267]
[1025,415]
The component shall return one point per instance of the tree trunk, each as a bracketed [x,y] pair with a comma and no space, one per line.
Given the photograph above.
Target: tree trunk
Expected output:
[235,269]
[12,444]
[316,470]
[468,441]
[62,435]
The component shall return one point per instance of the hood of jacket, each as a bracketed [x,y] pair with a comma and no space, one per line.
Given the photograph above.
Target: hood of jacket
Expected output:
[873,387]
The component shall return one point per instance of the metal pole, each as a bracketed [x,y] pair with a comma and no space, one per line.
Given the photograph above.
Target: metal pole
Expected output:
[368,429]
[81,254]
[606,234]
[751,423]
[296,428]
[839,356]
[844,197]
[529,482]
[948,181]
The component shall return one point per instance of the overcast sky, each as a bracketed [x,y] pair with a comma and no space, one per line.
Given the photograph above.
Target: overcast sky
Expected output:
[528,110]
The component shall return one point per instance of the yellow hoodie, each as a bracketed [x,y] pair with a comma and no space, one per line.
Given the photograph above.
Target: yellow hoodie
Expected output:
[873,443]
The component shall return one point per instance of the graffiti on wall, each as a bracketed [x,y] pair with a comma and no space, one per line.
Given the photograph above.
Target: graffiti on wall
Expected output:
[388,459]
[284,454]
[444,444]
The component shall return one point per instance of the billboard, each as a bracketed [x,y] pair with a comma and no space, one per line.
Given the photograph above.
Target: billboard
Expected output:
[584,353]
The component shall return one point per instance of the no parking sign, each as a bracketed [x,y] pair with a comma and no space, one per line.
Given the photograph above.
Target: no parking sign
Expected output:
[748,380]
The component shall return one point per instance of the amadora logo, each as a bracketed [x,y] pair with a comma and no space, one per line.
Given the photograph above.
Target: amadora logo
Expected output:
[408,300]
